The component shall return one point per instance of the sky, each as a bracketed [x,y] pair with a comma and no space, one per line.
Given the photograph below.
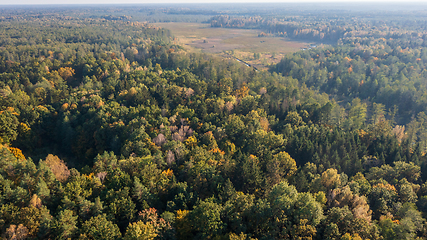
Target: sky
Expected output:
[32,2]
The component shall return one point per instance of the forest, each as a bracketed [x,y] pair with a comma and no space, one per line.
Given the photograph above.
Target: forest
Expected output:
[110,130]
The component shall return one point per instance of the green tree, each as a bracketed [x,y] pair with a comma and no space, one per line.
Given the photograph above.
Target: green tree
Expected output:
[8,126]
[65,226]
[140,231]
[206,219]
[356,114]
[282,165]
[99,228]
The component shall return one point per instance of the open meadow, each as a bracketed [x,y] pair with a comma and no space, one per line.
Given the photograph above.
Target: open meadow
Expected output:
[244,44]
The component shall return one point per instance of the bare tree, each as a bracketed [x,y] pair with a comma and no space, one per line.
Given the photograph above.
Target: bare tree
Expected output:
[16,233]
[188,92]
[170,158]
[101,176]
[159,140]
[58,167]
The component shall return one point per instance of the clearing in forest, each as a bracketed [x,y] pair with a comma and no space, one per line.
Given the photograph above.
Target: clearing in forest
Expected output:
[240,43]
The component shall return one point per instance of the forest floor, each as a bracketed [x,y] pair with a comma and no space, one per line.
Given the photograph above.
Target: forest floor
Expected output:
[240,43]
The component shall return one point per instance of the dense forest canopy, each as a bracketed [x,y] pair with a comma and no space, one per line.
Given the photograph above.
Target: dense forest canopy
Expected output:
[109,130]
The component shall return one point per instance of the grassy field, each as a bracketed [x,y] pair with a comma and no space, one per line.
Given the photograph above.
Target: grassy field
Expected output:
[240,43]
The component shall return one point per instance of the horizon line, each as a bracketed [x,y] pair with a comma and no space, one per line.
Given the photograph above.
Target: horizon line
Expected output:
[222,2]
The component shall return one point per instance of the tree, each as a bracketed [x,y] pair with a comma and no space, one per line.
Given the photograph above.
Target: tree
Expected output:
[381,199]
[183,225]
[16,233]
[105,161]
[378,113]
[251,177]
[302,231]
[292,208]
[99,228]
[142,194]
[237,211]
[341,220]
[356,114]
[161,227]
[8,127]
[341,197]
[66,73]
[330,178]
[294,119]
[206,219]
[58,167]
[65,226]
[140,231]
[406,191]
[121,208]
[282,165]
[411,222]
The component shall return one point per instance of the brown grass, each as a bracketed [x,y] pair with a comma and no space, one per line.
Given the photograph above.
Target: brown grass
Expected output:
[241,43]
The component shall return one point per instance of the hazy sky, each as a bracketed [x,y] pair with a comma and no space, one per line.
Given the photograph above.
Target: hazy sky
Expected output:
[13,2]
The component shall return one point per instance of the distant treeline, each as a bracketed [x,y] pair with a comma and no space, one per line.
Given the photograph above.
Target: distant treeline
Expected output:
[328,28]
